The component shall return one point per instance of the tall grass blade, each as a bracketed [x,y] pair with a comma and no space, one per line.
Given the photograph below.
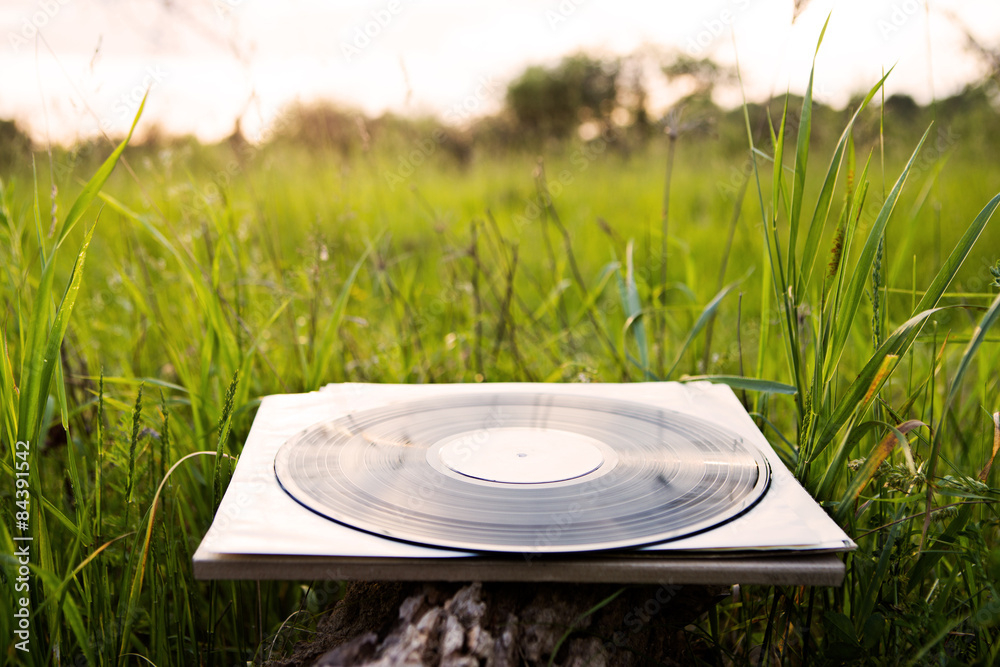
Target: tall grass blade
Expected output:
[71,612]
[945,542]
[164,434]
[989,319]
[61,397]
[825,198]
[750,384]
[8,392]
[40,357]
[98,528]
[629,292]
[944,631]
[777,188]
[853,212]
[42,366]
[957,257]
[871,464]
[837,464]
[703,318]
[765,324]
[225,426]
[133,445]
[870,587]
[856,286]
[132,602]
[781,272]
[858,396]
[901,339]
[597,607]
[802,157]
[319,369]
[96,182]
[985,472]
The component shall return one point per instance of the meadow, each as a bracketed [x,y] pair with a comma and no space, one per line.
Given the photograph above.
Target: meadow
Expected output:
[839,273]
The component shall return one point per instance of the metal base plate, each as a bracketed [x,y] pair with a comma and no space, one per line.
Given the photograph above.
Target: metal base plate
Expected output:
[626,568]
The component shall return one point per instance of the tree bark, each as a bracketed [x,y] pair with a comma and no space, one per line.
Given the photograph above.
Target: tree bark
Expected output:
[508,624]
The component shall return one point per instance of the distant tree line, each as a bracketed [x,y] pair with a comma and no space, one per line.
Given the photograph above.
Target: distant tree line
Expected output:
[584,96]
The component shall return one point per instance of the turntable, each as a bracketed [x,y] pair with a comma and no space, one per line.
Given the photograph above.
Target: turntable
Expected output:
[624,483]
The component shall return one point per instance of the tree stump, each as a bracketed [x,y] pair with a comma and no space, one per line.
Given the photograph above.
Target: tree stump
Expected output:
[508,624]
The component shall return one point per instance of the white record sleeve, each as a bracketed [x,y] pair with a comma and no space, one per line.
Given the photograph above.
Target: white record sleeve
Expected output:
[257,516]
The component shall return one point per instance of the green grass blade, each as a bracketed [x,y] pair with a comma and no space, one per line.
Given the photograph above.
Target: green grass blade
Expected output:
[871,464]
[130,603]
[47,564]
[145,223]
[133,445]
[79,478]
[778,170]
[870,587]
[629,293]
[699,324]
[937,638]
[901,339]
[225,426]
[74,618]
[957,257]
[38,360]
[576,623]
[989,319]
[780,273]
[98,527]
[750,384]
[8,398]
[60,516]
[318,371]
[945,543]
[859,279]
[825,198]
[837,464]
[857,398]
[802,157]
[851,225]
[37,214]
[765,323]
[33,341]
[30,396]
[96,182]
[42,364]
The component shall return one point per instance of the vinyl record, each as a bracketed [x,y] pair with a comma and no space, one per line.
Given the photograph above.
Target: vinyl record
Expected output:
[523,472]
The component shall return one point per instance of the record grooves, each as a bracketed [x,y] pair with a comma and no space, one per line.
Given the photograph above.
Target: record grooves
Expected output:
[523,472]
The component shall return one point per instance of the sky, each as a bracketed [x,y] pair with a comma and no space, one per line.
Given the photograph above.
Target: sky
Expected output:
[72,68]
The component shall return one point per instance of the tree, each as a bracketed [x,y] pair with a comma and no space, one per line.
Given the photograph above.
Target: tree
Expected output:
[15,145]
[555,101]
[703,74]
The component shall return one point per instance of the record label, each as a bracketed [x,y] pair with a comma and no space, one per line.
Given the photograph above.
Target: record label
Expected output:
[523,472]
[519,455]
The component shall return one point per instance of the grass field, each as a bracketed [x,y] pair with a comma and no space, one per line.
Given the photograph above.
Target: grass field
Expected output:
[143,323]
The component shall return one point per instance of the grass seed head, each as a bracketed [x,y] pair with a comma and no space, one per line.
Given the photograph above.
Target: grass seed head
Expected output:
[836,252]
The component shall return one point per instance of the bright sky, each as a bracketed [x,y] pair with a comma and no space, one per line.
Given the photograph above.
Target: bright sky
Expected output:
[68,67]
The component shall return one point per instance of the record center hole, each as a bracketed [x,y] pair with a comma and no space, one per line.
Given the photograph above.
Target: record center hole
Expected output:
[519,455]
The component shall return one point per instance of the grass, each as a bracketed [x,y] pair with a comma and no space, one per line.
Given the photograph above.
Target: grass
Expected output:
[851,311]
